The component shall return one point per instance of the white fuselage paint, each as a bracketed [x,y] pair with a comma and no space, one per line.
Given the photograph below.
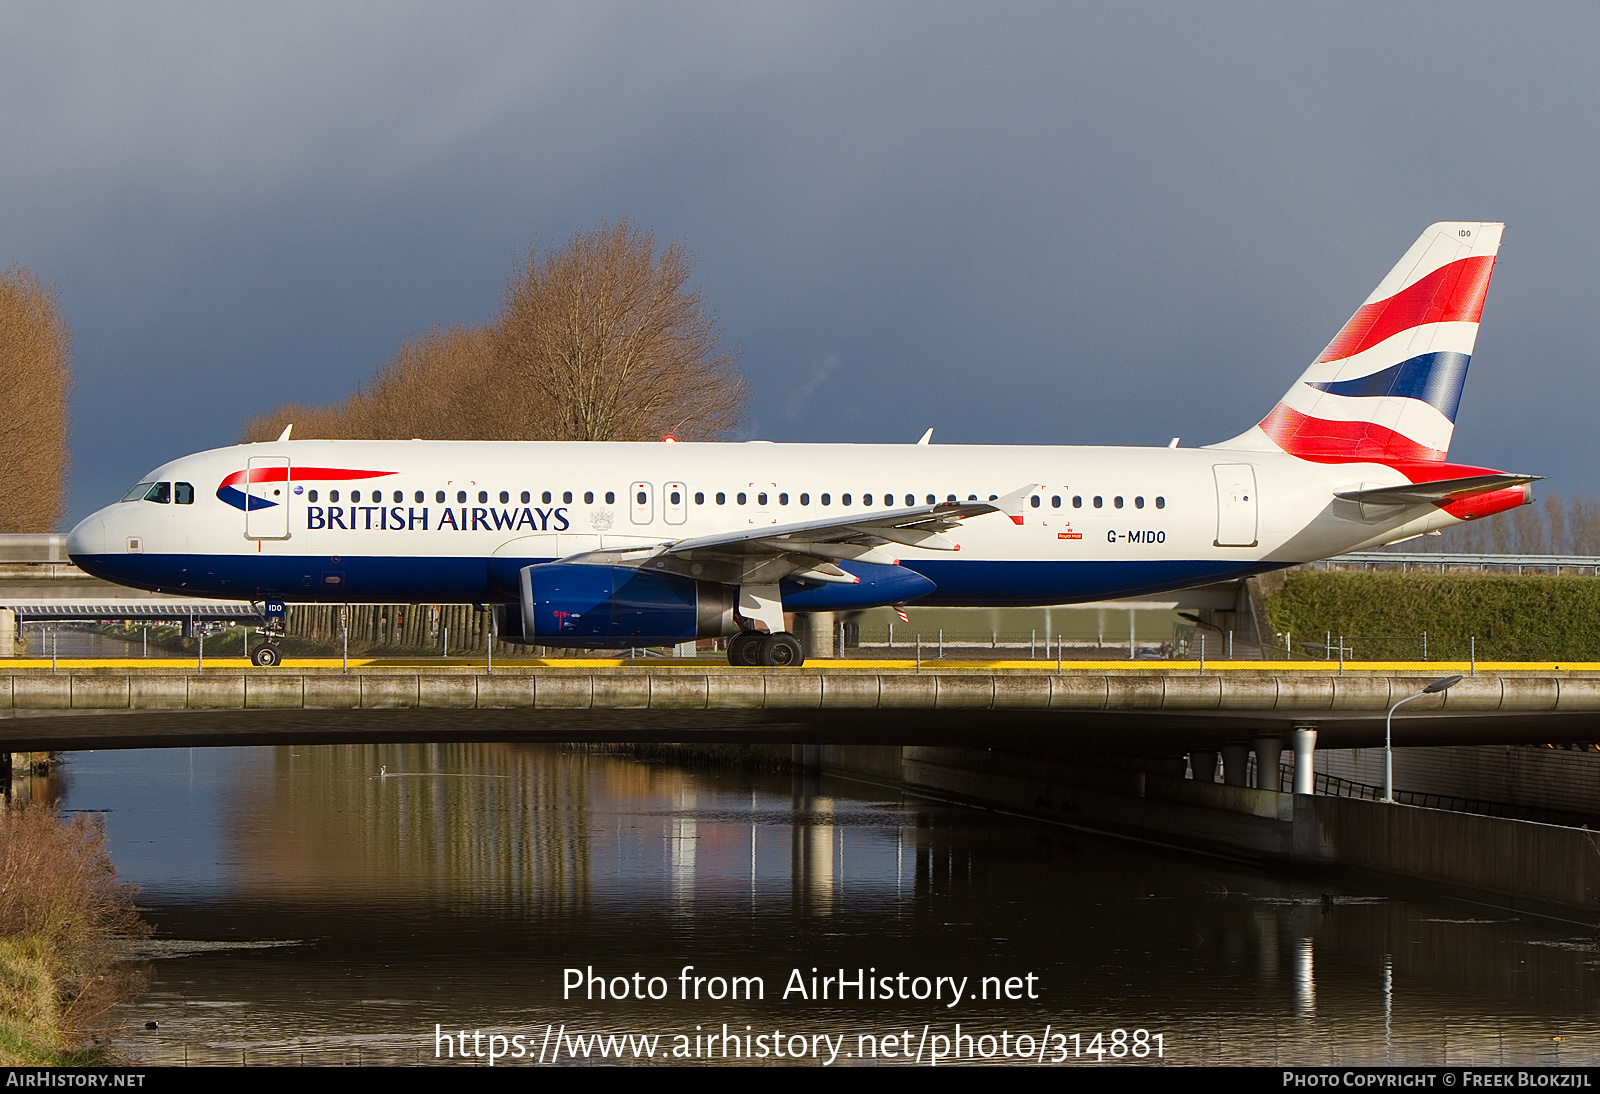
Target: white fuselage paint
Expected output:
[427,551]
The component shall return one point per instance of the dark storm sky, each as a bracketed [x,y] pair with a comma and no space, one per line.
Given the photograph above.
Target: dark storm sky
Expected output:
[1014,223]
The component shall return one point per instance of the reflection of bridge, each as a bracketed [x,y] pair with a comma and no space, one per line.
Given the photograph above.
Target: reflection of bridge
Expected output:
[1169,711]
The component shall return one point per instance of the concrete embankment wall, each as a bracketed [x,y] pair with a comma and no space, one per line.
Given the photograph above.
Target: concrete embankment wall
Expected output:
[1506,863]
[1511,863]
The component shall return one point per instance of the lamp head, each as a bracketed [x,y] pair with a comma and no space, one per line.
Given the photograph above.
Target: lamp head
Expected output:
[1444,684]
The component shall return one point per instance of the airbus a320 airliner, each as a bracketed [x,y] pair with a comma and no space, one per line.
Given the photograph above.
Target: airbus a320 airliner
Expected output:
[612,545]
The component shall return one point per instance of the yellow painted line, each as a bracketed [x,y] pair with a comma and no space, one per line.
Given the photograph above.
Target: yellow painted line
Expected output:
[929,665]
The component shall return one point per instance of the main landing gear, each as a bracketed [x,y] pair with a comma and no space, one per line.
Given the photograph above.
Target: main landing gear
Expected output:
[749,648]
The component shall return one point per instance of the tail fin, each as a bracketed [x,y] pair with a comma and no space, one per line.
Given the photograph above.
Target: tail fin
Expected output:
[1387,386]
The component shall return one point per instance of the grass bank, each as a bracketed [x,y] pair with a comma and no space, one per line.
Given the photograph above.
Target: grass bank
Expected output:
[1383,614]
[65,925]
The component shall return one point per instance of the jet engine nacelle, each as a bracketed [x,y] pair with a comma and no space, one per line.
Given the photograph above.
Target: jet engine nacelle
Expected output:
[592,606]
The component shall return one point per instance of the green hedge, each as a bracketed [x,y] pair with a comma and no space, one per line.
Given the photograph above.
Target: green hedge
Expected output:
[1383,614]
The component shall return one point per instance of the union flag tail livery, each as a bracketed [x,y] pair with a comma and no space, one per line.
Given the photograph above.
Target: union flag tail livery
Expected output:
[1387,387]
[613,545]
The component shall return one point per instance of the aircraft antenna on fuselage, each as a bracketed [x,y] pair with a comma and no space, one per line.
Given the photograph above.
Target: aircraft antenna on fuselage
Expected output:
[927,438]
[286,431]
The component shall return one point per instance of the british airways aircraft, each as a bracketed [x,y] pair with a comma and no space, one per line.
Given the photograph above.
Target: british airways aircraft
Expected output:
[612,545]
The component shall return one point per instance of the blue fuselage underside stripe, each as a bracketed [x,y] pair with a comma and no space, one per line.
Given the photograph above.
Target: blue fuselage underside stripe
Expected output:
[468,580]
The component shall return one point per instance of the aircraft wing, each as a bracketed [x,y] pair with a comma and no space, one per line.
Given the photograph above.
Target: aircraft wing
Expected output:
[811,550]
[1441,492]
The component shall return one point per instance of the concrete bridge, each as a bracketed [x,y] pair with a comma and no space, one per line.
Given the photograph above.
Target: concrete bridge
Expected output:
[1170,710]
[1017,736]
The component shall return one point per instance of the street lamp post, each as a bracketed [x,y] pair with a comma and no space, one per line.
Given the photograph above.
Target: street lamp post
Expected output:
[1443,684]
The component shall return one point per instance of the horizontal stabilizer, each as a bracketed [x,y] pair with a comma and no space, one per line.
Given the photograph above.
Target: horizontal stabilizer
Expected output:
[1437,493]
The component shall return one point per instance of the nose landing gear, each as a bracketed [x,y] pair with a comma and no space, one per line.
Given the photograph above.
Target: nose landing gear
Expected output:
[268,654]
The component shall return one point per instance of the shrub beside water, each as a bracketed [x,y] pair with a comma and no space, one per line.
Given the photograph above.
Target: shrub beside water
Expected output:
[65,925]
[1514,617]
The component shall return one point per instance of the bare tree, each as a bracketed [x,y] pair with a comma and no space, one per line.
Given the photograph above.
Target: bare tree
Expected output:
[1528,531]
[605,341]
[433,388]
[602,340]
[36,367]
[1559,543]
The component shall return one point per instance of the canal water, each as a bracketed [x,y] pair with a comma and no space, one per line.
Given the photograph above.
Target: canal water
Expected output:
[412,904]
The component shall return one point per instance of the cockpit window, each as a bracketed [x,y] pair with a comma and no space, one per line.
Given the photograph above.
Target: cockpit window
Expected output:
[183,493]
[160,492]
[138,492]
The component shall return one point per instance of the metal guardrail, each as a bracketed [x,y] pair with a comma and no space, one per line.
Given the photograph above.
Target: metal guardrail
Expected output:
[30,549]
[1578,563]
[1334,786]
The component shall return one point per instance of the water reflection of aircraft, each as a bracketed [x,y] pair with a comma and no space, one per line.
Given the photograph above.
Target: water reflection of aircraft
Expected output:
[610,545]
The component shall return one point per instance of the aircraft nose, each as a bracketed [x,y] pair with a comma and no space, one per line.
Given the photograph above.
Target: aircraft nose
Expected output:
[88,538]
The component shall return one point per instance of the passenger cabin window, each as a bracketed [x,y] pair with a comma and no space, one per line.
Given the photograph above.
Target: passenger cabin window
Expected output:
[722,498]
[588,497]
[805,499]
[931,499]
[421,497]
[1099,502]
[699,498]
[526,497]
[399,496]
[311,496]
[1138,503]
[1055,501]
[1077,501]
[183,493]
[505,497]
[1161,503]
[739,497]
[844,499]
[1034,501]
[355,495]
[333,496]
[438,497]
[1117,501]
[611,497]
[827,499]
[483,497]
[461,497]
[866,499]
[566,497]
[545,497]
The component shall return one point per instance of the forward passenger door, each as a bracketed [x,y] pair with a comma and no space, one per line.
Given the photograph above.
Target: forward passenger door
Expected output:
[266,493]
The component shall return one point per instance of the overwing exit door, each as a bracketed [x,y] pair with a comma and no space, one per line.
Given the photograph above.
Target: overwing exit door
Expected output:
[641,506]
